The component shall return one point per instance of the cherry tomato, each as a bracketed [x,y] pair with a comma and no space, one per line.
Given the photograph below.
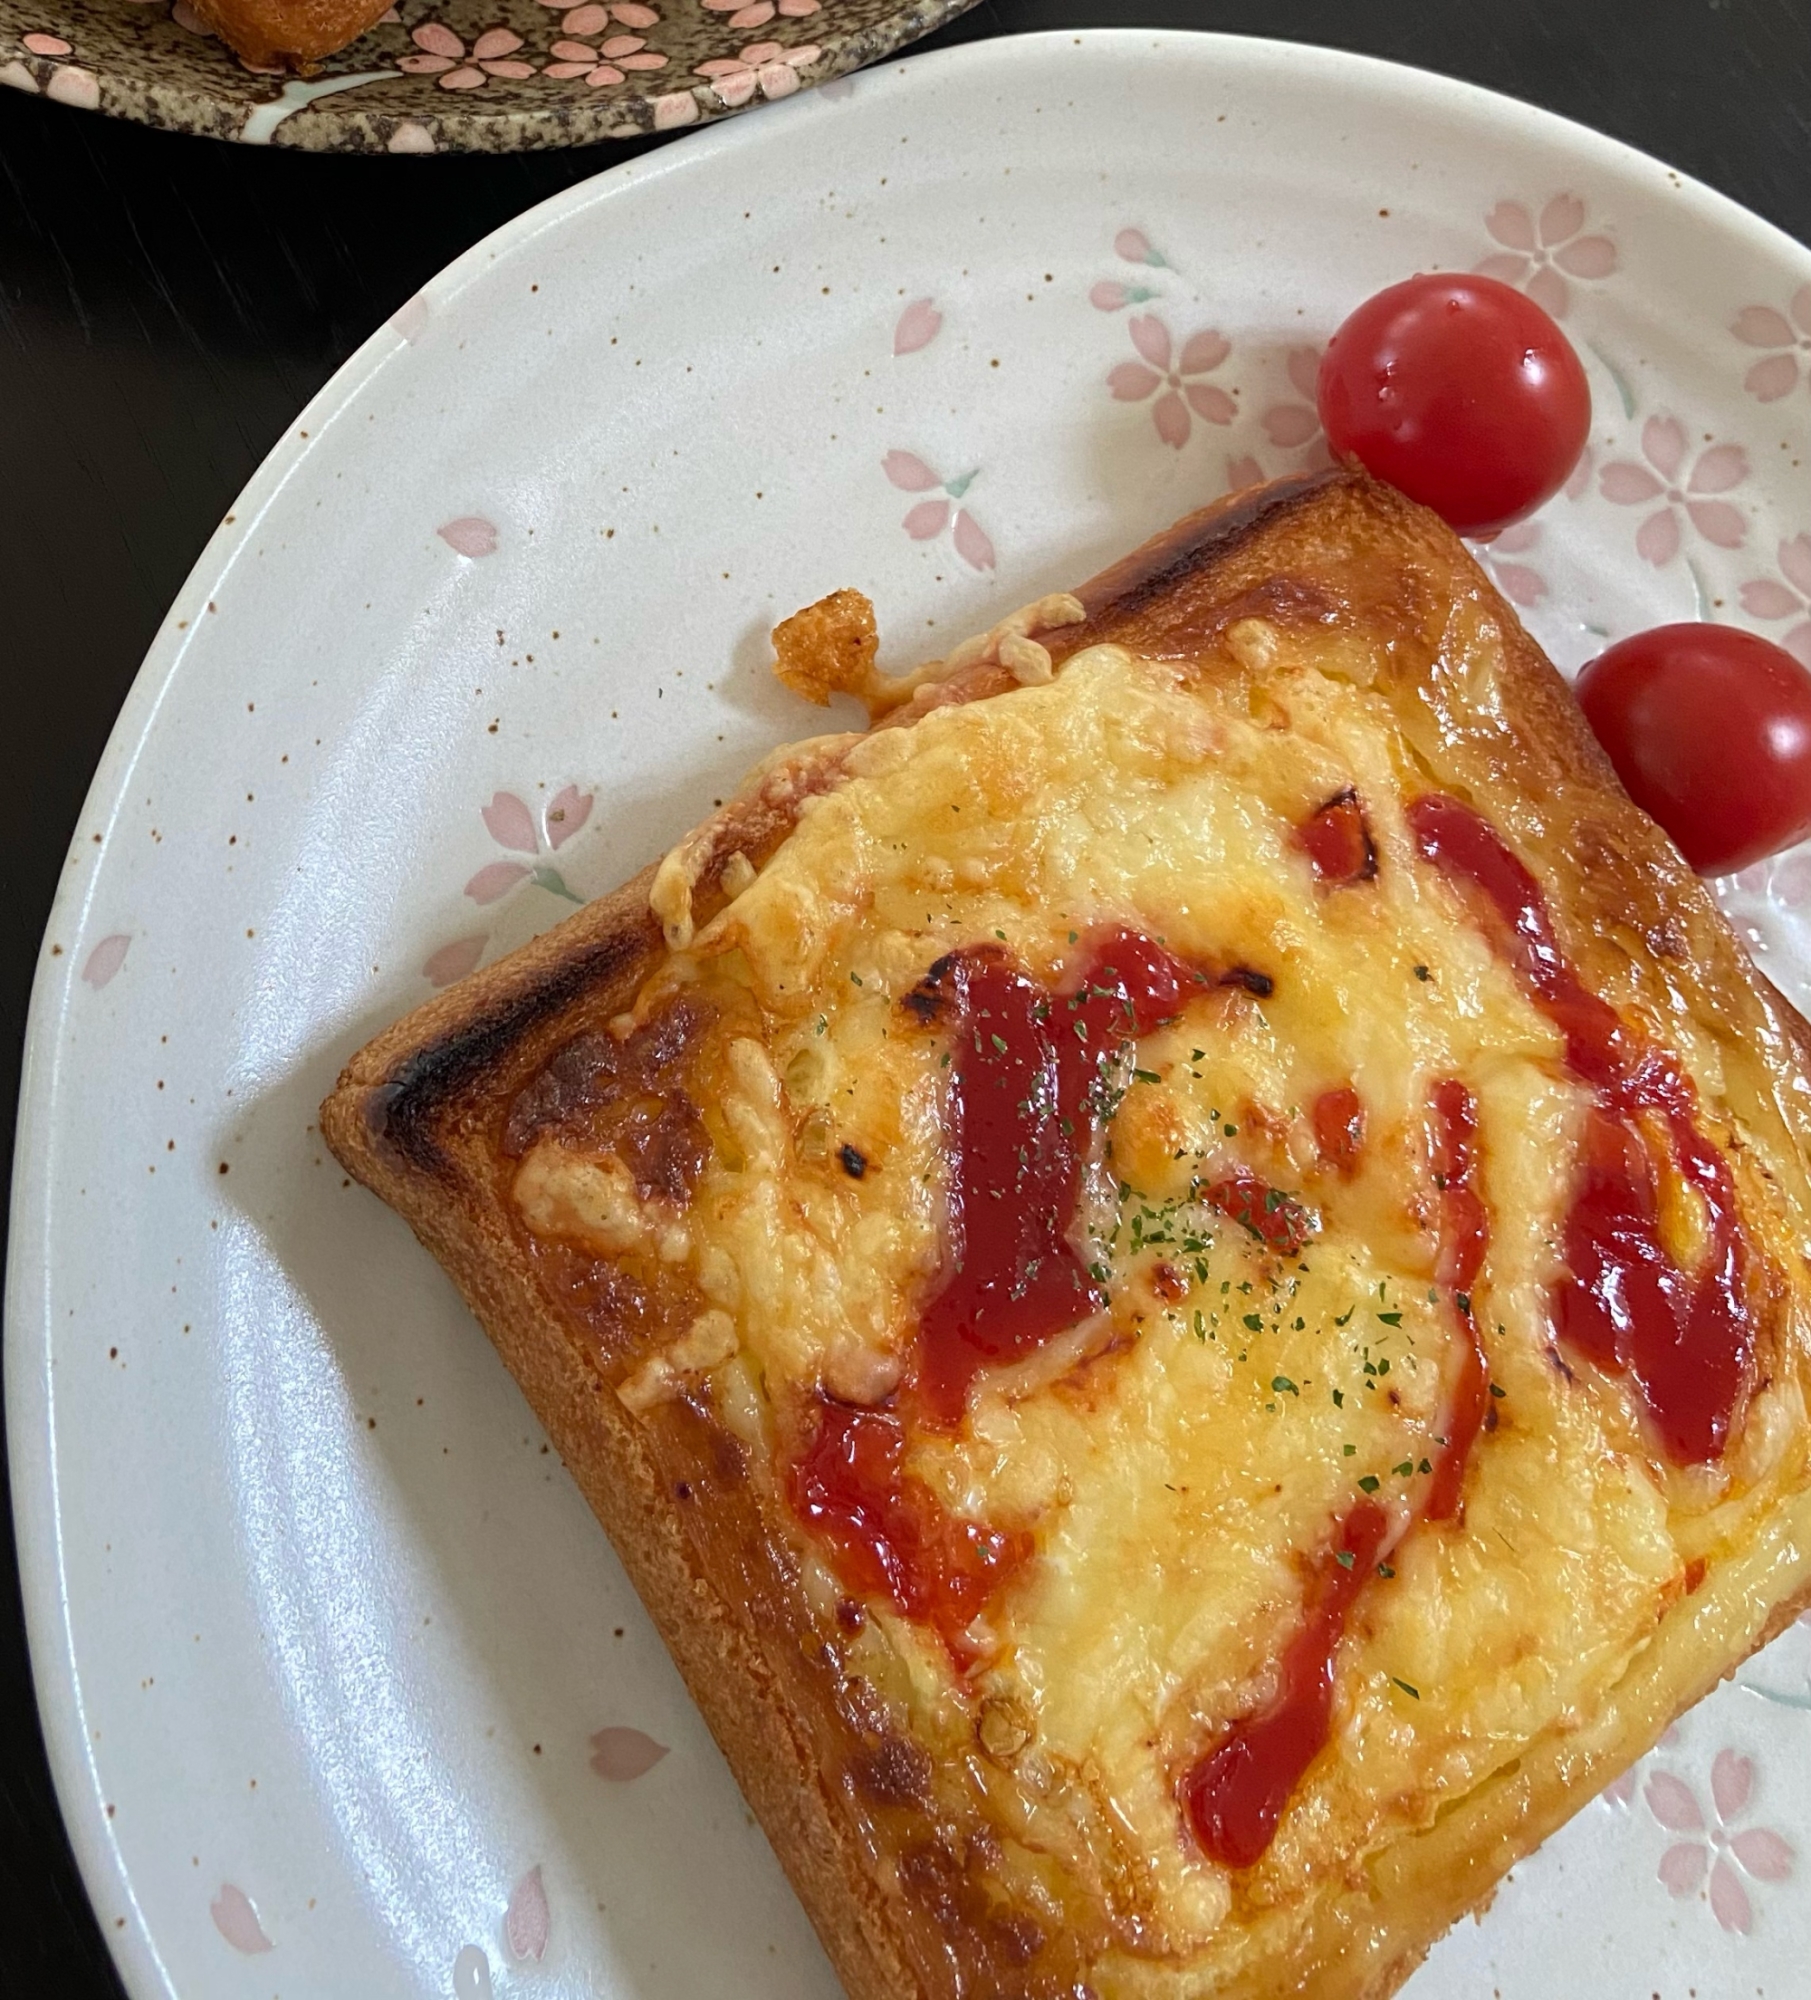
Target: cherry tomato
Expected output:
[1710,732]
[1461,391]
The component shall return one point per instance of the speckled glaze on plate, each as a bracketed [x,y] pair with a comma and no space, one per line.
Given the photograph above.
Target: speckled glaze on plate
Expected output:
[435,76]
[345,1691]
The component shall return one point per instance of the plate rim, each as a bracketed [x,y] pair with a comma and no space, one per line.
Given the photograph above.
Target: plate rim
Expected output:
[30,1333]
[264,111]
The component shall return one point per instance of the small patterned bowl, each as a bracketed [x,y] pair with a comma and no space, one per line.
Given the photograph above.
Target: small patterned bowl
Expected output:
[433,76]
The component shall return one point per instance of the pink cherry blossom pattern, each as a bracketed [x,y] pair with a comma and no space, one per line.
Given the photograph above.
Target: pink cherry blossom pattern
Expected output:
[589,17]
[1110,295]
[757,13]
[528,1920]
[453,961]
[65,82]
[1673,1803]
[917,326]
[763,66]
[1289,424]
[610,60]
[1786,596]
[1137,248]
[106,958]
[495,880]
[1295,425]
[907,471]
[1113,294]
[623,1755]
[1682,490]
[971,541]
[1520,582]
[677,108]
[70,84]
[1712,1844]
[511,825]
[1788,334]
[567,811]
[237,1922]
[1539,249]
[455,67]
[471,535]
[1168,376]
[925,521]
[1242,472]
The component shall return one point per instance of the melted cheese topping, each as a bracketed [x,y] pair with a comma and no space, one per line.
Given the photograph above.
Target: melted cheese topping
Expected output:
[1177,1484]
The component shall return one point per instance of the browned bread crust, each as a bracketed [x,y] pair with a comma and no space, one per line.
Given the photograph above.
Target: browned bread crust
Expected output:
[289,34]
[887,1874]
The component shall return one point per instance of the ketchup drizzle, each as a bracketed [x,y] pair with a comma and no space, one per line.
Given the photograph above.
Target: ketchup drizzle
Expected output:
[1339,1129]
[1029,1069]
[888,1534]
[1687,1340]
[1337,840]
[1277,1220]
[1027,1066]
[1235,1796]
[1689,1343]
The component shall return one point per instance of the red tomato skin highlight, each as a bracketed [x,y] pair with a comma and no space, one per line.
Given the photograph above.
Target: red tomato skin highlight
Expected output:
[1460,391]
[1709,729]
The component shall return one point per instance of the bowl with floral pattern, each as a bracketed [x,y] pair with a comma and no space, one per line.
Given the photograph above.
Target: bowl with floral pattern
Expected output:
[433,76]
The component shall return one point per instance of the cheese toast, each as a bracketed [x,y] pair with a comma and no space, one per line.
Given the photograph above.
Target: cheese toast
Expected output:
[1179,1271]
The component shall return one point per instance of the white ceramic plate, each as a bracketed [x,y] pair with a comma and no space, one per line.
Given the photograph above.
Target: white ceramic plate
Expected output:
[324,1637]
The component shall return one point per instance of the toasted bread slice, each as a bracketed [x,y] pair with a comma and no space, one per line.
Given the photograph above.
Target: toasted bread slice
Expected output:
[1178,1272]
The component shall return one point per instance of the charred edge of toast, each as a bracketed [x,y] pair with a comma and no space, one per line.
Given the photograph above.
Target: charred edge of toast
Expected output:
[403,1112]
[1151,577]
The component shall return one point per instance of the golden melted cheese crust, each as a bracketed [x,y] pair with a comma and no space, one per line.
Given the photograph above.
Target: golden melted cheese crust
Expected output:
[1176,1478]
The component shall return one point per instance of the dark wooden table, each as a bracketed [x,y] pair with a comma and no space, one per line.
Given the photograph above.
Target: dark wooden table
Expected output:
[167,304]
